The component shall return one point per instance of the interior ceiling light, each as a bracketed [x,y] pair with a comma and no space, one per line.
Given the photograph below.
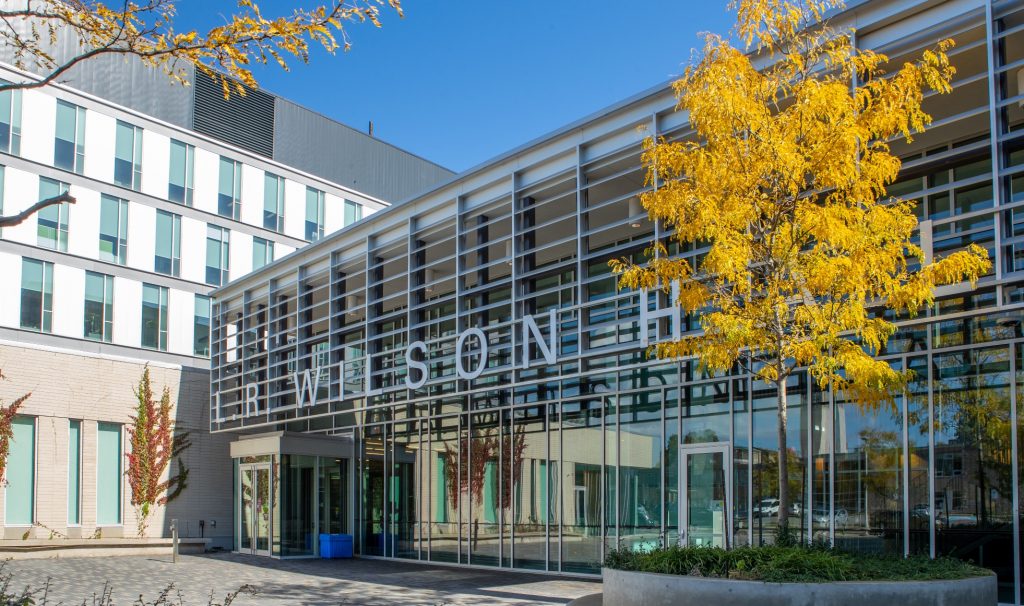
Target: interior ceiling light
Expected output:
[635,208]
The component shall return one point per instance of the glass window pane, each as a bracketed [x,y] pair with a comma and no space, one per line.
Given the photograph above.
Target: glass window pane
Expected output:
[201,334]
[64,141]
[36,294]
[74,472]
[124,154]
[21,470]
[108,474]
[154,317]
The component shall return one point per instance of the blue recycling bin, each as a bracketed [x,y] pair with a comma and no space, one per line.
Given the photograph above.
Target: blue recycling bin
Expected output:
[335,546]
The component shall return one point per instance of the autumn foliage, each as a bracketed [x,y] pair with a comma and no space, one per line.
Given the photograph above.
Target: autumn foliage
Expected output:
[147,30]
[7,414]
[782,191]
[153,446]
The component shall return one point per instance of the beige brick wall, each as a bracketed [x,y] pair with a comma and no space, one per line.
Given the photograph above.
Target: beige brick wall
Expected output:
[67,385]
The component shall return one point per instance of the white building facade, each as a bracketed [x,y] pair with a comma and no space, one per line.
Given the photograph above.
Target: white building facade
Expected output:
[92,292]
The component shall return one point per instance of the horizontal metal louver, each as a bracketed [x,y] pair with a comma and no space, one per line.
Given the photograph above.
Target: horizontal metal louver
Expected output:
[246,121]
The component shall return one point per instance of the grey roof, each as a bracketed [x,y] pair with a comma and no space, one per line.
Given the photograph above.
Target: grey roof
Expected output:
[293,135]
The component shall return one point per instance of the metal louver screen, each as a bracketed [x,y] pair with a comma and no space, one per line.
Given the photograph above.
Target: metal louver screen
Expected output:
[246,121]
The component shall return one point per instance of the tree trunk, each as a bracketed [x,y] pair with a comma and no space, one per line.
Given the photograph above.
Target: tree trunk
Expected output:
[783,458]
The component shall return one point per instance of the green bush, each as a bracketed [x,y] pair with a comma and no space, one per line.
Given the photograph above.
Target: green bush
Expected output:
[790,564]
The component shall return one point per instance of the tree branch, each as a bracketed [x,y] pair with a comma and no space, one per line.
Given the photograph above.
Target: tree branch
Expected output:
[12,220]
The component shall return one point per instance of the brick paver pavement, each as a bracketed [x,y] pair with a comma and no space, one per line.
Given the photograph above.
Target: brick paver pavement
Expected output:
[348,582]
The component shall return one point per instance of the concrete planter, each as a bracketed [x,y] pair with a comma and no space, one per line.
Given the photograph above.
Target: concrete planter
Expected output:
[622,588]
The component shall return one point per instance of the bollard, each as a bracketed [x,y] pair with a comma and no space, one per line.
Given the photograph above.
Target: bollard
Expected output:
[174,541]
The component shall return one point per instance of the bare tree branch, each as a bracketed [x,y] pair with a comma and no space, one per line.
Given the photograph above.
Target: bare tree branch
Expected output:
[12,220]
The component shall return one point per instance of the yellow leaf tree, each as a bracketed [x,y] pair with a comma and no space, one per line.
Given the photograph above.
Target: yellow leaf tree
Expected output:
[782,190]
[146,30]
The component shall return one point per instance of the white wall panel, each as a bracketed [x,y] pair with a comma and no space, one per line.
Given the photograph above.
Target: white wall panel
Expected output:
[10,301]
[38,126]
[156,163]
[141,236]
[294,209]
[21,190]
[127,312]
[68,300]
[207,167]
[252,195]
[334,213]
[180,312]
[84,223]
[239,255]
[100,131]
[193,250]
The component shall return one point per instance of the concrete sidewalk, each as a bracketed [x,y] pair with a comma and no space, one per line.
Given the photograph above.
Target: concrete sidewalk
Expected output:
[348,582]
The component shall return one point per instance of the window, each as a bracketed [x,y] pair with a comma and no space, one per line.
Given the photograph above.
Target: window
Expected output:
[217,241]
[36,295]
[108,474]
[201,338]
[229,197]
[353,212]
[181,185]
[273,202]
[99,306]
[3,178]
[52,221]
[314,214]
[262,252]
[167,259]
[69,142]
[10,122]
[74,473]
[128,156]
[21,473]
[113,229]
[154,317]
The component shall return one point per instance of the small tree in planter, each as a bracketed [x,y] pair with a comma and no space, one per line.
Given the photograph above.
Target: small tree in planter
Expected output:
[7,414]
[783,187]
[153,446]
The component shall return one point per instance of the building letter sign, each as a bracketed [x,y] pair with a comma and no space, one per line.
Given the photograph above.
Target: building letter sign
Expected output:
[307,382]
[673,311]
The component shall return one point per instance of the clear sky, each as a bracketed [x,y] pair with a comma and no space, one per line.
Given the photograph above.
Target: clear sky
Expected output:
[461,81]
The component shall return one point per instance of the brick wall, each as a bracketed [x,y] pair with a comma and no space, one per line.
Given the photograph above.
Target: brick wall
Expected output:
[68,385]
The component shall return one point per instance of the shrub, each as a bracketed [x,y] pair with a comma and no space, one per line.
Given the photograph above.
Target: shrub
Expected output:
[790,564]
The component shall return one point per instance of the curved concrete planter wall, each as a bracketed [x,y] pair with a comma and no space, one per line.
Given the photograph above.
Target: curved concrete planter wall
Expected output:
[622,588]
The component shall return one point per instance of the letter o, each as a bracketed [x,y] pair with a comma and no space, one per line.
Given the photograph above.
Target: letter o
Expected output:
[459,369]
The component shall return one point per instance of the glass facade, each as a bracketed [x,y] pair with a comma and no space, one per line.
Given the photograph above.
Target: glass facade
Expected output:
[113,230]
[69,137]
[229,189]
[505,413]
[283,502]
[167,254]
[128,156]
[52,221]
[181,178]
[217,241]
[36,295]
[154,317]
[262,252]
[99,306]
[273,202]
[10,122]
[314,214]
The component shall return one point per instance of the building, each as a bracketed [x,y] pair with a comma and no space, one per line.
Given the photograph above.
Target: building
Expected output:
[177,192]
[490,402]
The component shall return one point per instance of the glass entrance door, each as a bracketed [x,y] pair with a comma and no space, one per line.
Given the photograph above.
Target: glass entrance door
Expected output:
[705,495]
[254,508]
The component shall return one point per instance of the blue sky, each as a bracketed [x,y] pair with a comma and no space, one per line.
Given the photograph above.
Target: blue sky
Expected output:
[460,81]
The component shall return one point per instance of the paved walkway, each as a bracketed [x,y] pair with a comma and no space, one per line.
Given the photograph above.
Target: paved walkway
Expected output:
[335,582]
